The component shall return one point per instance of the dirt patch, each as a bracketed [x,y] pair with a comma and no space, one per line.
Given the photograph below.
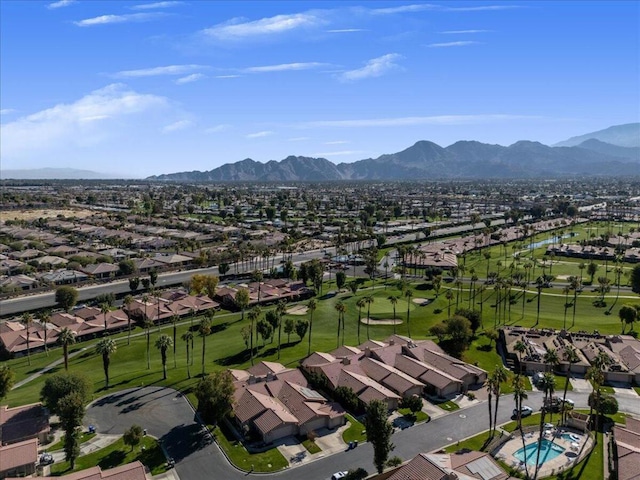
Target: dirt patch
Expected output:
[44,213]
[421,301]
[298,310]
[382,321]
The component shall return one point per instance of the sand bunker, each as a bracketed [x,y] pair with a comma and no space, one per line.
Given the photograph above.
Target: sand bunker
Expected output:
[421,301]
[383,321]
[298,310]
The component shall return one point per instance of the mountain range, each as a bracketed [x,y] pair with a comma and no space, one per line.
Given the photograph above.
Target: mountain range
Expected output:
[590,156]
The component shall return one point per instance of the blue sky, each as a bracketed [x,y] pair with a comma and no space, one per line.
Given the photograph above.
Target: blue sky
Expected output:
[141,88]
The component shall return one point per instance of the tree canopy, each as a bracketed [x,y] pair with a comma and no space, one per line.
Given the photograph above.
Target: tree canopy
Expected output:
[379,432]
[215,396]
[60,385]
[66,297]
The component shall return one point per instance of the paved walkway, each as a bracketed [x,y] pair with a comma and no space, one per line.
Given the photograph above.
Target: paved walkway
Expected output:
[53,364]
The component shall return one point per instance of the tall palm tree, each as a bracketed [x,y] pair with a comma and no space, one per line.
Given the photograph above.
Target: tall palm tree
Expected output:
[187,337]
[104,309]
[575,284]
[571,356]
[27,320]
[312,305]
[204,329]
[106,347]
[368,300]
[539,287]
[340,308]
[128,300]
[519,394]
[147,324]
[408,293]
[281,309]
[552,360]
[449,297]
[547,383]
[394,300]
[174,321]
[360,304]
[66,338]
[45,318]
[520,347]
[490,384]
[253,315]
[499,376]
[163,342]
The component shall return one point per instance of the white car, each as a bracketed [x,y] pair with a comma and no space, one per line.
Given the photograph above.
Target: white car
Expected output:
[339,475]
[524,411]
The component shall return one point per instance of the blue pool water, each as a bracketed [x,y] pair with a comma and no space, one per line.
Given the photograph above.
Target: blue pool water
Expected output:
[548,451]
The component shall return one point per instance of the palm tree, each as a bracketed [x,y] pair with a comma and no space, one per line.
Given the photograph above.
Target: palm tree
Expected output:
[174,320]
[499,376]
[340,308]
[204,329]
[66,338]
[520,347]
[539,286]
[128,300]
[281,309]
[163,342]
[490,389]
[368,300]
[408,293]
[547,383]
[449,297]
[312,305]
[394,300]
[187,337]
[45,318]
[27,320]
[106,347]
[571,356]
[360,304]
[519,394]
[147,324]
[253,315]
[566,291]
[552,360]
[104,309]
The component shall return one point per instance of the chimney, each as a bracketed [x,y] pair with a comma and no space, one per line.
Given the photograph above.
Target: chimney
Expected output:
[346,361]
[367,352]
[392,342]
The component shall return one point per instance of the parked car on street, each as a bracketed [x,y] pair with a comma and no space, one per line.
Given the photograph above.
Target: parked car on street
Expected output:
[524,411]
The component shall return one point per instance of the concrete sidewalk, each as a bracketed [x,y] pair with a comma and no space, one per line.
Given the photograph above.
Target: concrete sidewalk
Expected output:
[96,443]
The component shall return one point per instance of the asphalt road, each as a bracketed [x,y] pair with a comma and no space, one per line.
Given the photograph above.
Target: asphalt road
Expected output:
[167,415]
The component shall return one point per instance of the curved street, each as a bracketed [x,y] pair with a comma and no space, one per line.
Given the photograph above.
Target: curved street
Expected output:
[168,416]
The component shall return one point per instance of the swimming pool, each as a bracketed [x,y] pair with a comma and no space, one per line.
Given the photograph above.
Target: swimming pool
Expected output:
[548,451]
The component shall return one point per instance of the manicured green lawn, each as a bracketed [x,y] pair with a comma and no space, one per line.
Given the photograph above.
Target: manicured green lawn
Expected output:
[311,446]
[637,389]
[355,431]
[269,461]
[84,437]
[448,406]
[148,452]
[607,389]
[473,443]
[418,417]
[590,468]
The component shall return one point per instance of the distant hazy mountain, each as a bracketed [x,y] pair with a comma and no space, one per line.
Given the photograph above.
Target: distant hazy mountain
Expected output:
[631,153]
[627,135]
[426,160]
[53,174]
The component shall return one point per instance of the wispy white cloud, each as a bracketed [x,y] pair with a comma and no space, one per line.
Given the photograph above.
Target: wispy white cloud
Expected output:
[347,30]
[375,67]
[90,120]
[463,43]
[481,8]
[228,76]
[218,128]
[177,126]
[126,18]
[151,6]
[194,77]
[405,9]
[239,28]
[411,121]
[157,71]
[339,153]
[265,133]
[336,142]
[61,4]
[464,32]
[283,67]
[298,139]
[7,111]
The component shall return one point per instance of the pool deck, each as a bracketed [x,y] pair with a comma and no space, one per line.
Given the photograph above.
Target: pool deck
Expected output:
[574,451]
